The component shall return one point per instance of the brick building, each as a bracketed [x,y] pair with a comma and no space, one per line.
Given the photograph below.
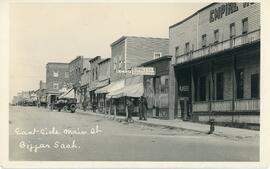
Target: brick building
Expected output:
[57,77]
[216,64]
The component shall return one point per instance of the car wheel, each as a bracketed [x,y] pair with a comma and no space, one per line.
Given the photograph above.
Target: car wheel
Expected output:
[72,108]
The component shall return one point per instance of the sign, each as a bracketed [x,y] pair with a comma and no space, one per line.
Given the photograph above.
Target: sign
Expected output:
[184,88]
[124,71]
[225,9]
[143,71]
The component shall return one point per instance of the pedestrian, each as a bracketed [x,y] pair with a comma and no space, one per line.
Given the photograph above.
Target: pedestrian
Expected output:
[129,109]
[144,108]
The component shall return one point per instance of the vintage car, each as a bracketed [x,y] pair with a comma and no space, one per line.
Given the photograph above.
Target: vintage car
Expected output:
[66,104]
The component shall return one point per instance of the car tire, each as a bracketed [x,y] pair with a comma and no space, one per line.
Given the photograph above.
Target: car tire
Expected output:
[72,108]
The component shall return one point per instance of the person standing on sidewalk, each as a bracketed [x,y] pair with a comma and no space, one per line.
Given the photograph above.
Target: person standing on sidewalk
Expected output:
[129,108]
[144,108]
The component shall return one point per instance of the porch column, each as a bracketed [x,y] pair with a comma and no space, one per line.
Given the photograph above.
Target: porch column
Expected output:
[172,92]
[211,92]
[234,89]
[192,90]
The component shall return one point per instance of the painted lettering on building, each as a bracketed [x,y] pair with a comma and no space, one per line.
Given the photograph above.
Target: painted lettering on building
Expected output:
[223,10]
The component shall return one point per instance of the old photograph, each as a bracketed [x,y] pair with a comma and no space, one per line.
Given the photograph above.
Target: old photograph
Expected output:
[151,82]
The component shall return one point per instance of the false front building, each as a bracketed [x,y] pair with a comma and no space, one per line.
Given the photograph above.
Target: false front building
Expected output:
[216,60]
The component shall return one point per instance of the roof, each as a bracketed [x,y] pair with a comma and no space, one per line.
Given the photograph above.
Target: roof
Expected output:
[124,37]
[104,60]
[95,58]
[166,57]
[178,23]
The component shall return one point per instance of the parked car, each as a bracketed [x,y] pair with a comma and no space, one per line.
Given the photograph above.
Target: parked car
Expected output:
[66,104]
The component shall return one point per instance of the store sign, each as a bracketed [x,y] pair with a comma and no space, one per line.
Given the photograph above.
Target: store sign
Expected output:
[184,88]
[124,71]
[225,9]
[143,71]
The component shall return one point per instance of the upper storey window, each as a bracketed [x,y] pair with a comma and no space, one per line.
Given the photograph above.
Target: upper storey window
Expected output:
[216,35]
[187,47]
[204,40]
[245,26]
[157,55]
[232,30]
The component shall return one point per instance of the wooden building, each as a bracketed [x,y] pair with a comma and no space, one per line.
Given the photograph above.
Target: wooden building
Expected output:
[216,62]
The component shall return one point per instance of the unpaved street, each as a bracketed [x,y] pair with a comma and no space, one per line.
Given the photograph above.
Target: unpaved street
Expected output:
[39,134]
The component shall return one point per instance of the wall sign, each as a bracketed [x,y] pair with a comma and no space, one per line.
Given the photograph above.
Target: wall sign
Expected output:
[225,9]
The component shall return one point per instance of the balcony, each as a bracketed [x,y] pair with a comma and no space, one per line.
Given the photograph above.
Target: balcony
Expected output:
[245,105]
[235,42]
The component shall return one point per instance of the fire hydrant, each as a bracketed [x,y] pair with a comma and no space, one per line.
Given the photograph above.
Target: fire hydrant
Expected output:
[212,126]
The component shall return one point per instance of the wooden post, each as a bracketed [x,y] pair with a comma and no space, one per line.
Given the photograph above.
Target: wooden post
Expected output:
[234,90]
[192,90]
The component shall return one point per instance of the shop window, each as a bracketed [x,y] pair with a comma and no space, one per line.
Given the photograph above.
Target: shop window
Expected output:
[202,87]
[55,86]
[187,47]
[164,80]
[93,74]
[177,51]
[216,35]
[66,74]
[240,83]
[203,40]
[245,26]
[232,30]
[255,85]
[157,55]
[219,86]
[55,74]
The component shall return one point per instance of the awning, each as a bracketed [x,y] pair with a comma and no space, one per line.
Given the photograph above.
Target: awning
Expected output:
[135,90]
[103,83]
[114,86]
[68,94]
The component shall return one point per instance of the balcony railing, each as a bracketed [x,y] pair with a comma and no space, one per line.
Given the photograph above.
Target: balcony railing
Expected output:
[227,106]
[222,105]
[247,105]
[221,46]
[200,107]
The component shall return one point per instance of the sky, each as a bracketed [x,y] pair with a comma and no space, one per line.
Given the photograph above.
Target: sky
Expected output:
[58,32]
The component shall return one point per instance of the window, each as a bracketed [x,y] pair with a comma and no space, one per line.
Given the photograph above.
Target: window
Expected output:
[202,87]
[164,84]
[176,51]
[187,49]
[245,26]
[232,30]
[219,86]
[93,74]
[114,63]
[55,74]
[96,73]
[216,36]
[66,74]
[240,83]
[255,85]
[204,40]
[55,86]
[157,55]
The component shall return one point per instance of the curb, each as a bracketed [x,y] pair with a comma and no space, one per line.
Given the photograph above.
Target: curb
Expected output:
[163,125]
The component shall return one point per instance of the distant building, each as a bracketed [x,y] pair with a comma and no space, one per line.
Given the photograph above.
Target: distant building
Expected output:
[57,77]
[94,73]
[41,94]
[85,81]
[75,73]
[103,80]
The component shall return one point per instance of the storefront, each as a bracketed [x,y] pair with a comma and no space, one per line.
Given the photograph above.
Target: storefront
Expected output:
[157,88]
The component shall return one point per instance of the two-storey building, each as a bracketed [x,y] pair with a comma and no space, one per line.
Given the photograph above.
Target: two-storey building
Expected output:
[216,60]
[128,52]
[57,77]
[94,74]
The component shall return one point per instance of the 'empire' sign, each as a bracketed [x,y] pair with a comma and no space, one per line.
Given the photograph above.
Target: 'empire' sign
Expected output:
[226,9]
